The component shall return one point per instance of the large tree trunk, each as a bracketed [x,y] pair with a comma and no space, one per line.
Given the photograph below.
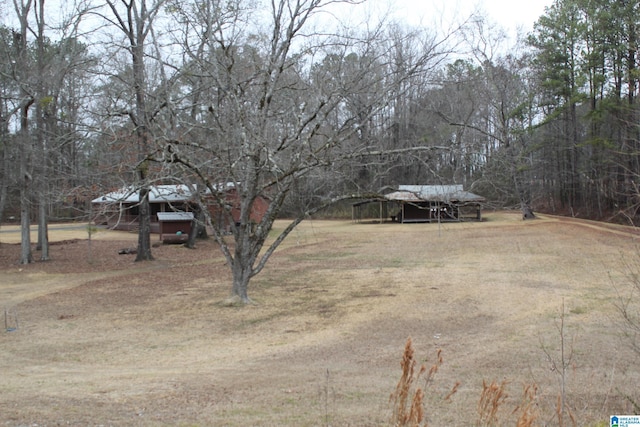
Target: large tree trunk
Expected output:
[25,202]
[4,183]
[25,187]
[242,263]
[43,229]
[198,228]
[25,223]
[41,136]
[144,221]
[22,64]
[241,277]
[135,21]
[527,212]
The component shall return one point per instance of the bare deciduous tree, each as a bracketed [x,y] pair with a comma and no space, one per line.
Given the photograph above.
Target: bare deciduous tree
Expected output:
[135,20]
[276,103]
[21,77]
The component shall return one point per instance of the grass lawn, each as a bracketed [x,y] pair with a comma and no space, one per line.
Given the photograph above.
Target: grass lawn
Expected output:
[106,341]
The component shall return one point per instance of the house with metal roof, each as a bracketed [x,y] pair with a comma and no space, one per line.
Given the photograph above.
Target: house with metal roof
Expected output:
[170,206]
[426,203]
[119,209]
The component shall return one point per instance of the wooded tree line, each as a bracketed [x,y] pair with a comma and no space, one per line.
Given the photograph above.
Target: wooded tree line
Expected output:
[286,100]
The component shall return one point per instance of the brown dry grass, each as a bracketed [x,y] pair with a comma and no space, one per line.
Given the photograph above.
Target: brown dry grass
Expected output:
[105,341]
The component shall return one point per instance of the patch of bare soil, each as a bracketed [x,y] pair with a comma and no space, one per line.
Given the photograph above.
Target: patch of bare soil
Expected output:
[106,341]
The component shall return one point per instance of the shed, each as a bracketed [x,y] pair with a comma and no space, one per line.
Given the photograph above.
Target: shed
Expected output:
[175,226]
[427,203]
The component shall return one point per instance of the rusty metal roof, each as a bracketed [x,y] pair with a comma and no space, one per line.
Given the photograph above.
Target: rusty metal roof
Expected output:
[433,193]
[157,193]
[175,216]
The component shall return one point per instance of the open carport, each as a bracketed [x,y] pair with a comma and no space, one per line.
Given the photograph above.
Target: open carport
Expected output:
[424,203]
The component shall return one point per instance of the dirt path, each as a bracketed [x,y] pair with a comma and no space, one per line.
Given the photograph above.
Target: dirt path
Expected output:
[618,229]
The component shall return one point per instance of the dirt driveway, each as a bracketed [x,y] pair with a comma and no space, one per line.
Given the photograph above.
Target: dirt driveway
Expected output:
[106,341]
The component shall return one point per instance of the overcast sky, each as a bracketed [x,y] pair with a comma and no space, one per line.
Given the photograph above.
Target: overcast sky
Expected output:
[509,14]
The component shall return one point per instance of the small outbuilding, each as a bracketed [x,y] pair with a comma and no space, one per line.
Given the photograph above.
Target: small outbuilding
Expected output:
[175,227]
[426,203]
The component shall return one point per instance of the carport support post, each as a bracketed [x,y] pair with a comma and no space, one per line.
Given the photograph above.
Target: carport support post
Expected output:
[439,222]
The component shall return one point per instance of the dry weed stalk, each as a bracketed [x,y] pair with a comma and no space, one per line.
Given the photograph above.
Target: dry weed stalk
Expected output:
[404,415]
[492,397]
[561,366]
[416,413]
[434,368]
[407,410]
[453,391]
[528,407]
[561,410]
[324,392]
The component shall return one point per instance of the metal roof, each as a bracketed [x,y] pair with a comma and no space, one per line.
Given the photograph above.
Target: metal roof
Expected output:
[157,193]
[434,193]
[175,216]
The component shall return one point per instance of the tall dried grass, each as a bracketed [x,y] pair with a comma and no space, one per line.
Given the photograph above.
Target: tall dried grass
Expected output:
[528,408]
[492,397]
[407,399]
[405,414]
